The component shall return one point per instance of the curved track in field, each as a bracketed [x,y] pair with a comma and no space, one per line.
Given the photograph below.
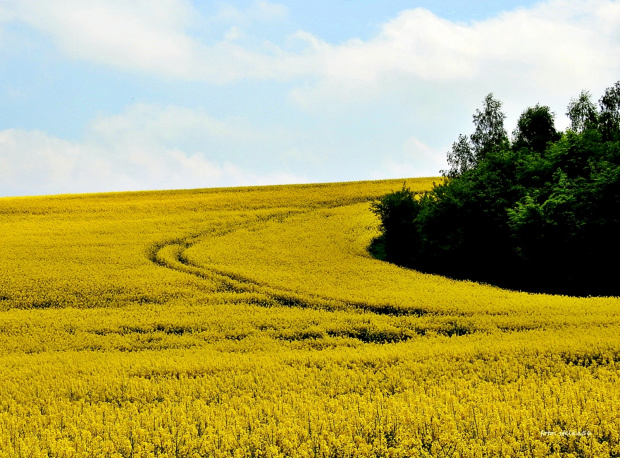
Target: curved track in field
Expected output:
[171,254]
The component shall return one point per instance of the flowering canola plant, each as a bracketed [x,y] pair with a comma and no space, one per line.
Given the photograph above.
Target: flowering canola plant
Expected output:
[253,322]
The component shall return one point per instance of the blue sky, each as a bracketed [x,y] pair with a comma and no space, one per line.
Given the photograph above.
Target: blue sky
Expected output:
[110,95]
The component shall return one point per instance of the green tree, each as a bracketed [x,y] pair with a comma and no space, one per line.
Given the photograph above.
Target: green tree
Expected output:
[535,129]
[610,113]
[541,214]
[489,133]
[582,113]
[460,158]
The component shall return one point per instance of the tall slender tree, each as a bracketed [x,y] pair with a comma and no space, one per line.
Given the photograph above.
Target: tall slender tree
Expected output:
[489,133]
[460,158]
[582,113]
[610,113]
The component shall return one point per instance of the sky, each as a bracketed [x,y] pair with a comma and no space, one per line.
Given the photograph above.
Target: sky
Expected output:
[111,95]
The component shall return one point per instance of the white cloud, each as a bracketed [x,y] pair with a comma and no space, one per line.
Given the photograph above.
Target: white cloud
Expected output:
[147,147]
[170,125]
[577,39]
[146,37]
[138,35]
[428,75]
[416,159]
[416,42]
[552,48]
[31,162]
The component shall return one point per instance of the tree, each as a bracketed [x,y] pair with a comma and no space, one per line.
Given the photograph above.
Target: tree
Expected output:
[609,118]
[460,158]
[582,113]
[535,129]
[489,134]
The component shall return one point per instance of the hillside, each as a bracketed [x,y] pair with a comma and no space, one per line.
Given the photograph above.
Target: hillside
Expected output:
[253,322]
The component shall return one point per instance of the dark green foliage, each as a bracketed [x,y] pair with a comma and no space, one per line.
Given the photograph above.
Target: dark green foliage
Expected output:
[397,211]
[535,129]
[609,119]
[540,214]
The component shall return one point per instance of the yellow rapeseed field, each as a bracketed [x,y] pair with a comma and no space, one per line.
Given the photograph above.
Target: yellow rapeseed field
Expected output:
[252,322]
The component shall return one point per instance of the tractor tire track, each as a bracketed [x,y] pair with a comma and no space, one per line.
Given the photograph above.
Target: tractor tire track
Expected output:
[171,254]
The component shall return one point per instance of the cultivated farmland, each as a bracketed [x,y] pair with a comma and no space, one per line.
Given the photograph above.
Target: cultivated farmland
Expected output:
[253,322]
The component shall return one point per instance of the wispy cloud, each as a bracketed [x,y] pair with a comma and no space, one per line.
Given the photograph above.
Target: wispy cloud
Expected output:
[141,35]
[146,37]
[552,46]
[146,147]
[575,38]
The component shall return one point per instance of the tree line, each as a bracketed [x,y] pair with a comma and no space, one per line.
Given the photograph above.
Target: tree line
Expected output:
[539,211]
